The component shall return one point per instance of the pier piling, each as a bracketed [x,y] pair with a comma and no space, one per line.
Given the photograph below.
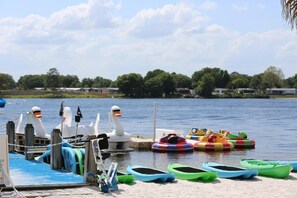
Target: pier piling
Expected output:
[10,131]
[90,168]
[29,141]
[56,150]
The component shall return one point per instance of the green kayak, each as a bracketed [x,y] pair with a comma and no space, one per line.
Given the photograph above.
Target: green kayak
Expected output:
[268,169]
[125,178]
[186,172]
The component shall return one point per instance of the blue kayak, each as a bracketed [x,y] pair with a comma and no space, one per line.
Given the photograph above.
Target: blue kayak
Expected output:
[150,174]
[225,171]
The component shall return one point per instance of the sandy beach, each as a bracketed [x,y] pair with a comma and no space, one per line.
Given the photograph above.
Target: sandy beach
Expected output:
[258,187]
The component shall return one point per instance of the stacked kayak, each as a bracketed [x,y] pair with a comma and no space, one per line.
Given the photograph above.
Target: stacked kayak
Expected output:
[191,173]
[226,171]
[267,168]
[147,174]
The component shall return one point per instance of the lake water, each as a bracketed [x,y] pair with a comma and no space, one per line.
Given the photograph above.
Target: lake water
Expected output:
[270,122]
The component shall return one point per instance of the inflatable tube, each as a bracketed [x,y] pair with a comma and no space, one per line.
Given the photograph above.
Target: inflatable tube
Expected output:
[193,137]
[164,147]
[243,144]
[68,156]
[217,146]
[80,162]
[172,143]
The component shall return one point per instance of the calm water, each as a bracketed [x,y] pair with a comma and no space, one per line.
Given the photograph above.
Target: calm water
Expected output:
[270,122]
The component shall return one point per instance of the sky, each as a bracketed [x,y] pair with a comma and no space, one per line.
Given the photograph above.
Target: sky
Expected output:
[110,38]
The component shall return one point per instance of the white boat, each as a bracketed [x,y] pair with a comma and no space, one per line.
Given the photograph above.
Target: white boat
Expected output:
[119,140]
[33,117]
[69,130]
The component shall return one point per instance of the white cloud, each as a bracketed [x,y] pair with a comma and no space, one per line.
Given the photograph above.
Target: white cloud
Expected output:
[239,8]
[208,5]
[90,40]
[164,21]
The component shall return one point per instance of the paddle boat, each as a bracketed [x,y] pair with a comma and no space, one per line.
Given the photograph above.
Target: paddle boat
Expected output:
[267,168]
[33,117]
[240,141]
[172,143]
[213,142]
[2,103]
[196,134]
[71,131]
[186,172]
[226,171]
[118,139]
[147,174]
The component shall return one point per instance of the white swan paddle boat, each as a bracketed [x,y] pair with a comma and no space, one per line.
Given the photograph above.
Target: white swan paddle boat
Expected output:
[119,140]
[33,117]
[68,130]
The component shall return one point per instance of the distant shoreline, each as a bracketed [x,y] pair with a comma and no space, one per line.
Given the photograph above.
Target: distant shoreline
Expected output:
[59,94]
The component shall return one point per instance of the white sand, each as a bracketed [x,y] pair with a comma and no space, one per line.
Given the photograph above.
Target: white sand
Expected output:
[260,187]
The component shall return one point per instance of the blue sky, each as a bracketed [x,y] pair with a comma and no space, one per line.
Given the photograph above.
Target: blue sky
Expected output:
[109,38]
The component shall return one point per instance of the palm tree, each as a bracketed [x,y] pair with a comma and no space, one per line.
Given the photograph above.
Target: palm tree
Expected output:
[290,12]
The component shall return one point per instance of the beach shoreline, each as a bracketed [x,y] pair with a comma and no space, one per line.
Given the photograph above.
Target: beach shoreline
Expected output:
[258,187]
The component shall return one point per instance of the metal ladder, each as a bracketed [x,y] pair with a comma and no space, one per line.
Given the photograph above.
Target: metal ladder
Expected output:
[107,180]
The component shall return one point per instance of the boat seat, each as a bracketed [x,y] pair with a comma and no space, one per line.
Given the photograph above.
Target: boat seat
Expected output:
[173,140]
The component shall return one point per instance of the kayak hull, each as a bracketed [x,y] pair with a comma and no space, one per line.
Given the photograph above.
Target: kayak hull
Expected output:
[147,174]
[185,172]
[268,169]
[225,171]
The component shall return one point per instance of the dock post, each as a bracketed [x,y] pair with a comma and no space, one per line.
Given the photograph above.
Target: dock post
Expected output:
[10,131]
[29,141]
[56,150]
[90,168]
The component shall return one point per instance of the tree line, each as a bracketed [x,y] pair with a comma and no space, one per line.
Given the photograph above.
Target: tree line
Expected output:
[156,83]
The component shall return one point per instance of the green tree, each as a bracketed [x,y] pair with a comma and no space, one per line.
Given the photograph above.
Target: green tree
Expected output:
[53,79]
[239,80]
[221,77]
[154,87]
[168,83]
[130,84]
[31,81]
[101,82]
[289,9]
[206,86]
[152,74]
[6,82]
[69,81]
[182,81]
[256,81]
[87,82]
[272,77]
[291,82]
